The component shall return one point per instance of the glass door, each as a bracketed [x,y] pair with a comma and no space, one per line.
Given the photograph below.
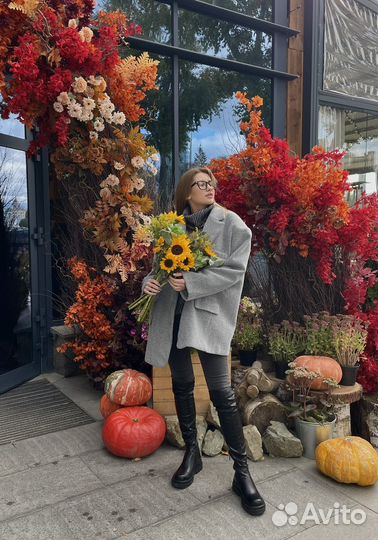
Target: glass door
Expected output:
[20,310]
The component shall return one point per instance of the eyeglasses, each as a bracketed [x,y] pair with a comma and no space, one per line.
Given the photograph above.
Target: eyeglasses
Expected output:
[204,184]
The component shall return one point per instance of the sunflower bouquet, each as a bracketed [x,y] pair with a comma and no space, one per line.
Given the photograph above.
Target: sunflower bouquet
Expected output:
[174,251]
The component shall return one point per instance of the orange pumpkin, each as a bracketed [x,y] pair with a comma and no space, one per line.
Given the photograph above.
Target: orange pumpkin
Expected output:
[134,432]
[324,365]
[107,407]
[128,387]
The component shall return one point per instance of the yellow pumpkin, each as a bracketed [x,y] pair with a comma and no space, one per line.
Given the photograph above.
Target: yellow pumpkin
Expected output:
[348,460]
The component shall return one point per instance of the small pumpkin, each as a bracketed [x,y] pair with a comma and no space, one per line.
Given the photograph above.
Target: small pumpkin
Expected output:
[324,365]
[132,432]
[107,407]
[348,460]
[128,387]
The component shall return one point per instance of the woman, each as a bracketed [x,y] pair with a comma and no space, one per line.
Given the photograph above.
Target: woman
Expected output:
[199,311]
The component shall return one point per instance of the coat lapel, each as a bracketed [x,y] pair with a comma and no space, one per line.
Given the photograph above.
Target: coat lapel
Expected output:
[215,221]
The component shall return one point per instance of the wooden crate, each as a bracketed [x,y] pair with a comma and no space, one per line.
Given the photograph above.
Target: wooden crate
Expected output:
[163,398]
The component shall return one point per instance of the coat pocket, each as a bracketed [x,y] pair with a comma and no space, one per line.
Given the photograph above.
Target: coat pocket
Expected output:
[207,303]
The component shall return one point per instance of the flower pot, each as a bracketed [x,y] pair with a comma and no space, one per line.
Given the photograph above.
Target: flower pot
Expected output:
[247,357]
[349,375]
[280,368]
[313,433]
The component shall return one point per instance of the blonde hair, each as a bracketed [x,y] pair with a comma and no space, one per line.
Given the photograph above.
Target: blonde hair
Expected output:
[184,186]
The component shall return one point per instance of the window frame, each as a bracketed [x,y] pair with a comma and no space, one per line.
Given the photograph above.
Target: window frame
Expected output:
[313,60]
[279,75]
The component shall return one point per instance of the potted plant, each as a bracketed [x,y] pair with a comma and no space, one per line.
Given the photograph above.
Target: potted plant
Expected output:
[248,336]
[286,342]
[349,339]
[318,334]
[312,410]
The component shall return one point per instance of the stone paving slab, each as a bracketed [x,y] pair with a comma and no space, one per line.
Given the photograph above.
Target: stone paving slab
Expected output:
[44,449]
[222,519]
[216,477]
[46,484]
[342,531]
[365,495]
[300,488]
[105,513]
[111,469]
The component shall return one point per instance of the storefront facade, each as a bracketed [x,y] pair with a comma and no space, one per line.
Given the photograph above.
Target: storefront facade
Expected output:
[283,51]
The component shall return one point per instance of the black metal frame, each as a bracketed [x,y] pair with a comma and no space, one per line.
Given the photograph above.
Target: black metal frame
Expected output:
[278,73]
[313,93]
[40,262]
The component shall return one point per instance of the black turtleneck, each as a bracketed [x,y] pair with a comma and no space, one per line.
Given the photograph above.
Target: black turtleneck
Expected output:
[193,220]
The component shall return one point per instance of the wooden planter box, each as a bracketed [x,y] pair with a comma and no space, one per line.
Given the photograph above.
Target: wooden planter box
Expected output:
[163,398]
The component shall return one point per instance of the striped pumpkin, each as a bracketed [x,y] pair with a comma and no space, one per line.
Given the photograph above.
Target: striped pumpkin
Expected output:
[128,387]
[107,407]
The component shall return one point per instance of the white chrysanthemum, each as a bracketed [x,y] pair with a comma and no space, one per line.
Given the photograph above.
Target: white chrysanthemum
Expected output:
[98,124]
[153,170]
[86,34]
[86,116]
[74,110]
[89,103]
[112,180]
[79,85]
[137,162]
[72,23]
[58,107]
[119,118]
[105,193]
[118,166]
[106,107]
[93,135]
[63,98]
[139,184]
[146,219]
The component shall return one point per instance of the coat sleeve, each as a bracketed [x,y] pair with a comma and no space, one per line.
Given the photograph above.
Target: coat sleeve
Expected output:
[214,279]
[151,274]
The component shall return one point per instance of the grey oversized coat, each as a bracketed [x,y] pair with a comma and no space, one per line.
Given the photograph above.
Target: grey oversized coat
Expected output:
[212,295]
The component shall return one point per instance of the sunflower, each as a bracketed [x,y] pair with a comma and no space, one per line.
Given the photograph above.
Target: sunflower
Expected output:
[210,252]
[168,264]
[187,262]
[180,246]
[159,245]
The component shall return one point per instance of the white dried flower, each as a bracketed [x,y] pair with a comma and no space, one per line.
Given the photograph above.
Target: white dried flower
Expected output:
[86,34]
[58,107]
[89,103]
[137,162]
[98,124]
[118,166]
[63,98]
[119,118]
[79,85]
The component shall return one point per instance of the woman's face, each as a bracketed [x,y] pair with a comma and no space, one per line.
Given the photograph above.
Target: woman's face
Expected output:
[203,191]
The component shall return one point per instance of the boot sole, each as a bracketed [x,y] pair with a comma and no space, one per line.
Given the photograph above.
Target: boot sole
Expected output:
[184,484]
[252,510]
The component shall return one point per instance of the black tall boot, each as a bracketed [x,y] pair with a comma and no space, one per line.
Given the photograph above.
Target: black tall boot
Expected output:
[229,417]
[186,413]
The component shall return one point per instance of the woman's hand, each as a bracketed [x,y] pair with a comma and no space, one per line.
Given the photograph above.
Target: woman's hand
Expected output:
[152,287]
[177,281]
